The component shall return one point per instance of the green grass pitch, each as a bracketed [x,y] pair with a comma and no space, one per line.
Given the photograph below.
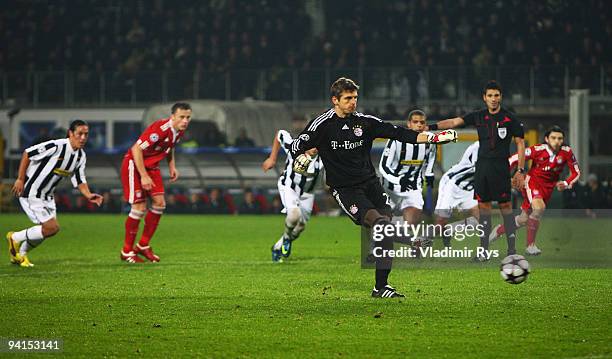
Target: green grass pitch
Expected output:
[217,294]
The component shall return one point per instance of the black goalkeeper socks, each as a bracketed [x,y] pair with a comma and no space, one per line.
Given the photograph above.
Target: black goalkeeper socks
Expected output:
[382,275]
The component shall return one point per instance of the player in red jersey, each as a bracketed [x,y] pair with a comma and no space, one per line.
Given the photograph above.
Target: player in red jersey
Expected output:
[548,161]
[141,178]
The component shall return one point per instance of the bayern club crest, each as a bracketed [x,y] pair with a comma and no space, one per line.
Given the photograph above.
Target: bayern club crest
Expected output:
[357,131]
[559,160]
[353,209]
[154,137]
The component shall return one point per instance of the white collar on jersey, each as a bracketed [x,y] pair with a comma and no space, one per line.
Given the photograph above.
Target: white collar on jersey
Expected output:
[551,154]
[68,145]
[174,132]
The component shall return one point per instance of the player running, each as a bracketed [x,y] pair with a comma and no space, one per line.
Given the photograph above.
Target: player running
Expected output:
[456,191]
[344,139]
[41,168]
[403,166]
[141,178]
[547,163]
[296,193]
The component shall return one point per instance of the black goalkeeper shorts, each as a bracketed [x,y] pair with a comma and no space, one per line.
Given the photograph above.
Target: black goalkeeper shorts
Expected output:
[492,180]
[356,200]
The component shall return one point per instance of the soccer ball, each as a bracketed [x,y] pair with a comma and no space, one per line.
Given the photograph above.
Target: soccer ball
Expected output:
[514,269]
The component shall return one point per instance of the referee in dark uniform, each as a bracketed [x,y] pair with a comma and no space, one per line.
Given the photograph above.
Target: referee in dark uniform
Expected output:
[492,181]
[344,139]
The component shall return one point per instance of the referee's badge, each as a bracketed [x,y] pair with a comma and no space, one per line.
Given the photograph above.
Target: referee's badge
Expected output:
[502,132]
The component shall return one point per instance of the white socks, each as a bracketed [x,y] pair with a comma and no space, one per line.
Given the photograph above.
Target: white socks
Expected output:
[32,233]
[29,238]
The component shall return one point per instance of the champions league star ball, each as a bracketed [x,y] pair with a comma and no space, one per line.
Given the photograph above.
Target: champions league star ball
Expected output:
[514,269]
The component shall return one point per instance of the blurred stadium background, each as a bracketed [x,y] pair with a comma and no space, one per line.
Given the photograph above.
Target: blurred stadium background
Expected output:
[253,67]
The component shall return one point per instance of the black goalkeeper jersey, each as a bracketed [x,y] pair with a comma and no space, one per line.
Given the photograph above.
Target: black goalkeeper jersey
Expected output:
[344,144]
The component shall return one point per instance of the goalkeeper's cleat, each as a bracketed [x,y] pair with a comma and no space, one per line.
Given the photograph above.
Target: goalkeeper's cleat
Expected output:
[286,248]
[25,262]
[277,255]
[130,257]
[13,249]
[496,232]
[301,163]
[386,292]
[442,137]
[533,250]
[147,252]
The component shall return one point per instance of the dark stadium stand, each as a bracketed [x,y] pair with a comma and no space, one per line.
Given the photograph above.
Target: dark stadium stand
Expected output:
[159,35]
[139,51]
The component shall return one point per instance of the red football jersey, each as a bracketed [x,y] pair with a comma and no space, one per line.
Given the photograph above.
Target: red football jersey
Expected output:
[546,166]
[156,142]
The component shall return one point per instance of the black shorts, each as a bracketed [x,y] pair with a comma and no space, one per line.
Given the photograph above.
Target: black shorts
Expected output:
[492,180]
[356,200]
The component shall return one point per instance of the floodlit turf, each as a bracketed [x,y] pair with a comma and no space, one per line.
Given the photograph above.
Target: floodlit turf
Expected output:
[216,293]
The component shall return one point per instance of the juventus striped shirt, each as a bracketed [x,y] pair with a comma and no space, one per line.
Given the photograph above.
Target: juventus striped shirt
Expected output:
[406,160]
[462,173]
[49,162]
[299,183]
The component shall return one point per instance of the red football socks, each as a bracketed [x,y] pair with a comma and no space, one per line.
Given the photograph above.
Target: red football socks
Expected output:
[131,230]
[532,229]
[151,222]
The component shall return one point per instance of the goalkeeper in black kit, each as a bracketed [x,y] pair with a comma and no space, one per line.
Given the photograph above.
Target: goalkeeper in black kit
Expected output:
[344,139]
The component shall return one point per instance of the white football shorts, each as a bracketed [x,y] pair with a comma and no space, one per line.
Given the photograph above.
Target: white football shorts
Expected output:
[292,199]
[38,210]
[451,197]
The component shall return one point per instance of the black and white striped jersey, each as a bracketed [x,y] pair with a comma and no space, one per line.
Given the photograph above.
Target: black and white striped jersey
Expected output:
[49,162]
[299,183]
[403,165]
[462,173]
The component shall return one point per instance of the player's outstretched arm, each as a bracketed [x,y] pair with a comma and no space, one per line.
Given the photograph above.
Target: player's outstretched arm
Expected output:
[386,130]
[270,162]
[19,182]
[440,138]
[447,124]
[91,197]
